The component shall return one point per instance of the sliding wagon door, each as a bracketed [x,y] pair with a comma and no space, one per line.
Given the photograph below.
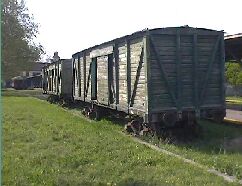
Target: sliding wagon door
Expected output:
[102,75]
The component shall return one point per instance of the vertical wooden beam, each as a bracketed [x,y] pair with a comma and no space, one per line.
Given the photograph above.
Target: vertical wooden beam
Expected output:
[73,76]
[79,76]
[116,61]
[222,62]
[128,71]
[178,70]
[147,64]
[57,77]
[195,72]
[84,75]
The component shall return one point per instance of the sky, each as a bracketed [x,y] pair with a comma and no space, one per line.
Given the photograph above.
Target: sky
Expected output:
[69,26]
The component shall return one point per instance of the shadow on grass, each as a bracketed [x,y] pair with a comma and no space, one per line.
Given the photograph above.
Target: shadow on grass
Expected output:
[210,137]
[214,138]
[125,182]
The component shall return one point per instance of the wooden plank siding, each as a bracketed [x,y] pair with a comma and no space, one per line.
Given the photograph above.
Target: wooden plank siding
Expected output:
[122,78]
[65,78]
[88,76]
[59,77]
[192,68]
[138,83]
[154,71]
[102,80]
[76,80]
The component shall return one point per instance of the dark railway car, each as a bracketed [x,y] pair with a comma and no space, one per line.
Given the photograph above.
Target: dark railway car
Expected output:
[19,83]
[34,81]
[57,79]
[233,47]
[166,75]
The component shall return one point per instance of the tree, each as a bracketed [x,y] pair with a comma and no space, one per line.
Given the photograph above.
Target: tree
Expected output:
[19,52]
[233,74]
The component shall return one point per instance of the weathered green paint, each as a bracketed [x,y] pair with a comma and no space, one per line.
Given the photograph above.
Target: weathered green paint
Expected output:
[94,79]
[195,73]
[205,83]
[128,73]
[79,76]
[178,70]
[163,75]
[84,77]
[180,66]
[57,84]
[222,64]
[148,88]
[116,61]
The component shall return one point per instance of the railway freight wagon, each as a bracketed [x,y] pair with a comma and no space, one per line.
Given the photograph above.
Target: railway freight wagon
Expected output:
[34,82]
[57,79]
[165,75]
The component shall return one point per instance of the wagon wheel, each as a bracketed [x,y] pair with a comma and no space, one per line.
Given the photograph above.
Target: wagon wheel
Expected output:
[218,116]
[134,127]
[94,114]
[50,99]
[85,111]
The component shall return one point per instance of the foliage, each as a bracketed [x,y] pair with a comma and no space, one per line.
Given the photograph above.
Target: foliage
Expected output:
[18,31]
[58,147]
[233,73]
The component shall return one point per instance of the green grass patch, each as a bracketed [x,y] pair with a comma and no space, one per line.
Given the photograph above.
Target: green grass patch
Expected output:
[234,100]
[47,145]
[210,148]
[21,93]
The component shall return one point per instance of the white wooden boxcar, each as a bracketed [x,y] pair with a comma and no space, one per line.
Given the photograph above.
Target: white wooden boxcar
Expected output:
[57,78]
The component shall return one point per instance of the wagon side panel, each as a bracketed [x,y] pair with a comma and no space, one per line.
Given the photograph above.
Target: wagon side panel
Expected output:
[187,70]
[137,75]
[88,77]
[66,78]
[163,76]
[102,80]
[122,77]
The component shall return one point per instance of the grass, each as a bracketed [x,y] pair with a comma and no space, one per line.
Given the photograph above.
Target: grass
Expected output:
[47,145]
[21,93]
[209,149]
[234,100]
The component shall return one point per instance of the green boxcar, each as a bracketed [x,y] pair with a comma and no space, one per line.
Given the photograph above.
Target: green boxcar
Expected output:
[164,75]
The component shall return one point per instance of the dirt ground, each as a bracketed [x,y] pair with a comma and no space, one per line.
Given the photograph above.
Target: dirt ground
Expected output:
[234,114]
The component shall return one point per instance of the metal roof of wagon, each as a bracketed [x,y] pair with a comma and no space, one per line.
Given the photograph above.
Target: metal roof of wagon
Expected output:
[141,32]
[234,36]
[233,47]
